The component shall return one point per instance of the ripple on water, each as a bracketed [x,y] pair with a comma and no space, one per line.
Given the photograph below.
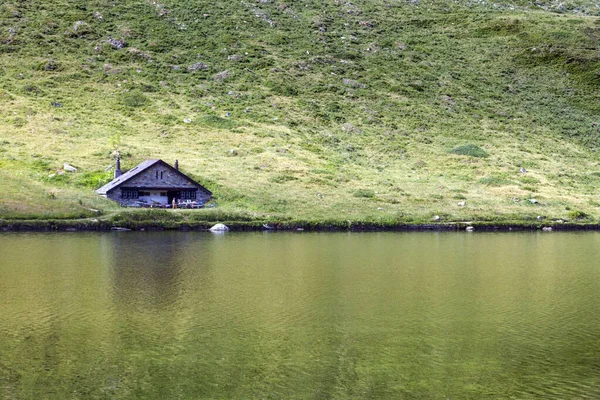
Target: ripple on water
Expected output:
[301,316]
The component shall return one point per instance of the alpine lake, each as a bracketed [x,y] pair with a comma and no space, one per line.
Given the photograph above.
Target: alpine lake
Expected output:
[195,315]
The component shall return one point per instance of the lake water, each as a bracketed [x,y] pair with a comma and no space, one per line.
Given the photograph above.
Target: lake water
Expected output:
[300,316]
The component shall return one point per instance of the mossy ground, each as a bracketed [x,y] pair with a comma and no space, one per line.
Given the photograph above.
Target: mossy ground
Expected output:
[306,110]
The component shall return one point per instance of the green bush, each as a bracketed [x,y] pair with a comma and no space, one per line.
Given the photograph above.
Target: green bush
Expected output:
[134,99]
[366,193]
[471,150]
[576,214]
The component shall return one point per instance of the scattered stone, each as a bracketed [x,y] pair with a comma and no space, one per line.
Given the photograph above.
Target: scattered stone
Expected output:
[235,57]
[540,217]
[228,114]
[522,170]
[109,69]
[219,228]
[80,28]
[98,15]
[350,128]
[300,229]
[187,120]
[268,227]
[233,152]
[436,218]
[380,208]
[139,53]
[446,99]
[109,168]
[69,167]
[94,220]
[51,65]
[353,83]
[469,229]
[222,75]
[533,201]
[117,44]
[56,104]
[197,67]
[119,228]
[547,229]
[559,221]
[462,203]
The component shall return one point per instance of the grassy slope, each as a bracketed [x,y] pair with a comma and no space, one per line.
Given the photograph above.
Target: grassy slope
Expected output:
[311,110]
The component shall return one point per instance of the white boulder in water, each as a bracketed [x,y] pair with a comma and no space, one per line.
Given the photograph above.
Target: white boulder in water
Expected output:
[219,228]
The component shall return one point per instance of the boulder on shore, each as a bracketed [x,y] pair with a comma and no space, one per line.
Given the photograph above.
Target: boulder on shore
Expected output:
[219,228]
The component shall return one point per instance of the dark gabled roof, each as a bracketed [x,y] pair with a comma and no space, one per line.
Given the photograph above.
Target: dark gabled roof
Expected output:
[139,169]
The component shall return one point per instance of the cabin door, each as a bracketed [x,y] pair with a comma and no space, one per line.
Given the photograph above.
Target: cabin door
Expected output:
[173,194]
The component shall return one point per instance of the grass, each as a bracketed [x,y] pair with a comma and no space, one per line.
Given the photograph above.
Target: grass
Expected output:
[316,111]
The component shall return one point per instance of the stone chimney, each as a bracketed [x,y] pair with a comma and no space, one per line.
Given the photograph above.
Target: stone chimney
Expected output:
[118,171]
[177,165]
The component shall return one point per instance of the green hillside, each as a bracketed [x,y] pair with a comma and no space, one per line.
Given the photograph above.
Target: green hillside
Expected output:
[366,110]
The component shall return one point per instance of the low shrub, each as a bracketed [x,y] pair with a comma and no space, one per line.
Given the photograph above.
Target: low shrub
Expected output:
[366,193]
[471,150]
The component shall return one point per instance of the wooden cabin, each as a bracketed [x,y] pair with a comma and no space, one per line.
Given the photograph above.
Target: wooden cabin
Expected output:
[154,183]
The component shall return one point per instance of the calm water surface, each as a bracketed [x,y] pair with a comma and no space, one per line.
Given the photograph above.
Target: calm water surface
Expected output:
[300,316]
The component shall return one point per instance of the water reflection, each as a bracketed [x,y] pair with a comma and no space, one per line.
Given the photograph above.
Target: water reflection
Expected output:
[193,315]
[147,269]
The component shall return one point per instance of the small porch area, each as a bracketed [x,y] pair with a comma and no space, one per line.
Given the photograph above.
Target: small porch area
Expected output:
[160,198]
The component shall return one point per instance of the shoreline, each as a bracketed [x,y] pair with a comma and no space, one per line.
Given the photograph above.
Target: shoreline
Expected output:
[296,226]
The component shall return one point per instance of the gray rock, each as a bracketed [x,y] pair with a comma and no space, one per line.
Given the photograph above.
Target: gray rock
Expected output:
[547,229]
[116,43]
[533,201]
[219,228]
[469,229]
[353,83]
[462,203]
[197,67]
[69,167]
[436,217]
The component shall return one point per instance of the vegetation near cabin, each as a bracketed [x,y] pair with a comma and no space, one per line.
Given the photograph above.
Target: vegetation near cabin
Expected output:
[366,110]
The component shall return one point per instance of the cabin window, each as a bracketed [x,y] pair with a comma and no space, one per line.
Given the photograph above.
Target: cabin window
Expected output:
[159,174]
[129,194]
[188,195]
